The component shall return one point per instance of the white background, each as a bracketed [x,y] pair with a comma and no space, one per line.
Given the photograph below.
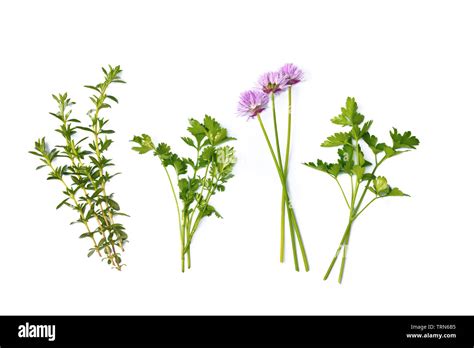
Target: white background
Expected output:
[408,63]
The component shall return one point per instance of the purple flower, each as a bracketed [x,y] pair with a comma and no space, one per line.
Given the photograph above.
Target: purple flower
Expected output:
[291,74]
[252,103]
[272,82]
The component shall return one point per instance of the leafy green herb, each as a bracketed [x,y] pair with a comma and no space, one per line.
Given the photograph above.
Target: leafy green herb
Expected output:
[362,173]
[198,179]
[83,169]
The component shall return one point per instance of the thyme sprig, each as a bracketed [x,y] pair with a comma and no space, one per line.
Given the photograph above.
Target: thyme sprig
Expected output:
[196,179]
[362,173]
[83,169]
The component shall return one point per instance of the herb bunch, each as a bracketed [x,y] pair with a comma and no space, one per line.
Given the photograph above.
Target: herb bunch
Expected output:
[251,104]
[197,179]
[362,172]
[80,165]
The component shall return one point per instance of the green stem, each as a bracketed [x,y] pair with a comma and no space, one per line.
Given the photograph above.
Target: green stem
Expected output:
[348,228]
[199,218]
[282,228]
[188,236]
[368,204]
[202,190]
[83,220]
[280,162]
[292,235]
[72,155]
[96,130]
[181,226]
[275,126]
[291,217]
[342,190]
[369,182]
[174,196]
[285,173]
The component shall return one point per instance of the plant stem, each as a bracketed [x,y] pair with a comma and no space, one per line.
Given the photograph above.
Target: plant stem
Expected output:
[275,126]
[280,162]
[354,213]
[285,174]
[202,190]
[104,192]
[368,204]
[199,216]
[348,228]
[72,154]
[292,235]
[188,238]
[96,130]
[343,193]
[368,183]
[291,217]
[76,204]
[178,211]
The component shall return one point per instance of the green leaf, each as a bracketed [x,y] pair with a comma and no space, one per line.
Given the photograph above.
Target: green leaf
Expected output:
[368,176]
[208,210]
[396,192]
[216,134]
[225,160]
[349,115]
[196,128]
[163,151]
[365,128]
[336,139]
[113,204]
[389,151]
[189,141]
[358,171]
[328,168]
[145,144]
[107,131]
[405,140]
[334,169]
[371,141]
[111,97]
[179,166]
[90,87]
[346,158]
[87,129]
[207,154]
[62,203]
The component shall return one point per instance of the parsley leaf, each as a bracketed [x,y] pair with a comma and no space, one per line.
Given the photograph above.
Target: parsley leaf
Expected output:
[405,140]
[336,139]
[349,115]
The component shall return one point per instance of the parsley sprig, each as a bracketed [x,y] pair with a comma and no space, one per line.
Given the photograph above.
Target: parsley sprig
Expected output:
[362,172]
[196,179]
[83,169]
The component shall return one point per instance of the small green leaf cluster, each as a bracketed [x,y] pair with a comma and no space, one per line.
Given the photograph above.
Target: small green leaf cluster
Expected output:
[198,178]
[353,162]
[81,166]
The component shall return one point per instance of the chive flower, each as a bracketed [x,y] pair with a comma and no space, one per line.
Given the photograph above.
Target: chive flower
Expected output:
[252,103]
[291,74]
[272,82]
